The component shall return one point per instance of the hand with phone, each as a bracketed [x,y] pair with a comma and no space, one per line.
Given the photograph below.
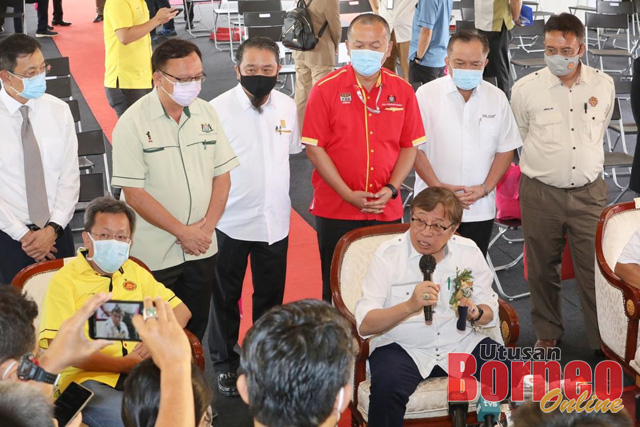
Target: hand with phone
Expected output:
[68,407]
[70,345]
[165,15]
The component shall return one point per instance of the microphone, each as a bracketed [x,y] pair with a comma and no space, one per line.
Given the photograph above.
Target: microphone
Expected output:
[489,412]
[458,411]
[427,266]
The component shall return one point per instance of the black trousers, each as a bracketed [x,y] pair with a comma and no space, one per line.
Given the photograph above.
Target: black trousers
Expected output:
[394,378]
[192,282]
[420,74]
[57,10]
[268,269]
[498,65]
[13,259]
[479,232]
[17,7]
[43,15]
[329,233]
[121,99]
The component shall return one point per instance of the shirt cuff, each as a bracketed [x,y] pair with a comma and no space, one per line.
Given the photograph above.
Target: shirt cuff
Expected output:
[509,147]
[61,219]
[309,141]
[124,181]
[225,167]
[17,231]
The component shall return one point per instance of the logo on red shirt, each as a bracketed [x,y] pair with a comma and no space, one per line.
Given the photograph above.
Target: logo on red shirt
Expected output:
[345,98]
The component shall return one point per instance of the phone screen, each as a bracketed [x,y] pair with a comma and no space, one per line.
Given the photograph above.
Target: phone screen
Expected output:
[112,321]
[71,402]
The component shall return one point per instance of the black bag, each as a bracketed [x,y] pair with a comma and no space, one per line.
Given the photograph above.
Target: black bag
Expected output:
[297,31]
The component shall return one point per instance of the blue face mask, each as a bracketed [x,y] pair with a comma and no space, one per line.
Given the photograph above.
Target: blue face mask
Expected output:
[366,62]
[109,255]
[467,79]
[34,87]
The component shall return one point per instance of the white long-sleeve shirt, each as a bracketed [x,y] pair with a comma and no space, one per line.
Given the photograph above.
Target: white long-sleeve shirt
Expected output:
[54,129]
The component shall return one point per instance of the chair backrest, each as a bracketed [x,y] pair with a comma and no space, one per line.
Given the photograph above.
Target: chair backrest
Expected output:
[615,7]
[59,67]
[91,186]
[468,14]
[60,87]
[465,25]
[354,6]
[74,106]
[535,29]
[272,33]
[612,22]
[264,19]
[35,279]
[91,143]
[491,79]
[468,4]
[259,6]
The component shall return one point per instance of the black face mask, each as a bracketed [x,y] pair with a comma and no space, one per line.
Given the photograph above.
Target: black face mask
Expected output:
[258,86]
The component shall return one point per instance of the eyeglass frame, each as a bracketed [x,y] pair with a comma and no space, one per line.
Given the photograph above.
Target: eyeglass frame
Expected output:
[105,236]
[47,69]
[561,52]
[439,229]
[201,78]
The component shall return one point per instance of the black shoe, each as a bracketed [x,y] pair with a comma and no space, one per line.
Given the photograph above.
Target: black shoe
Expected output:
[49,27]
[61,23]
[46,33]
[227,384]
[98,18]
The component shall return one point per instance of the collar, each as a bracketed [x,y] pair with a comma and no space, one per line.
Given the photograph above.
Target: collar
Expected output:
[413,253]
[83,267]
[353,79]
[11,104]
[156,109]
[583,78]
[244,101]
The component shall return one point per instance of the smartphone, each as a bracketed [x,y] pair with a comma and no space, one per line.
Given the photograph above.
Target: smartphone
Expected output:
[70,403]
[112,321]
[179,9]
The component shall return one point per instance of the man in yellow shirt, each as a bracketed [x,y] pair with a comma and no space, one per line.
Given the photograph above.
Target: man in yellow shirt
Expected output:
[127,46]
[103,267]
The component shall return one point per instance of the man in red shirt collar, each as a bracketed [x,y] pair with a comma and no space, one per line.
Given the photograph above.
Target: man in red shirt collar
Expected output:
[361,129]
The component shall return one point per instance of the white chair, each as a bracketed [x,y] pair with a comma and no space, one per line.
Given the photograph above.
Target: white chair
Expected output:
[34,280]
[351,261]
[618,303]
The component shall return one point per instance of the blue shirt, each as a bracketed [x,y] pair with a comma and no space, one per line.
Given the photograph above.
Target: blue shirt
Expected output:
[434,15]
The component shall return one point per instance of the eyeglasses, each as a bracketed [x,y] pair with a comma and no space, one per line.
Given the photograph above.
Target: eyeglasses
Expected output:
[105,236]
[566,52]
[201,78]
[44,68]
[435,228]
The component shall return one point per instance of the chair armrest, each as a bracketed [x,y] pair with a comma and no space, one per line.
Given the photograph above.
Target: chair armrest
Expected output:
[509,325]
[631,293]
[196,350]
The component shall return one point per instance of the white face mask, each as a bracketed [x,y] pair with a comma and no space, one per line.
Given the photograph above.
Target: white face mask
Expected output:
[184,93]
[340,399]
[6,371]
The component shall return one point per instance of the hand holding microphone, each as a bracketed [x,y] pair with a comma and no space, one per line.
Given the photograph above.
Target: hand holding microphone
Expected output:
[427,266]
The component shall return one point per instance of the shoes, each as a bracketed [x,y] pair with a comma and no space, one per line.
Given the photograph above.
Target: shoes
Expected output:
[98,18]
[46,33]
[227,384]
[168,33]
[154,39]
[547,343]
[49,27]
[61,23]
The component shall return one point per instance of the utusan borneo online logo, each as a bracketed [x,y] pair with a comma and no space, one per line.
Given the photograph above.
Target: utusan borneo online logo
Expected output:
[521,374]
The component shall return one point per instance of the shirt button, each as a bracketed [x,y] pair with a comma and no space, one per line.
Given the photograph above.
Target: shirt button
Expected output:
[370,185]
[438,333]
[572,183]
[371,168]
[570,91]
[571,109]
[372,150]
[371,132]
[370,114]
[368,97]
[574,148]
[571,129]
[574,167]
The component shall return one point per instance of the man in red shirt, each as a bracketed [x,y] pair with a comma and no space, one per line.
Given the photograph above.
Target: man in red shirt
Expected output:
[361,129]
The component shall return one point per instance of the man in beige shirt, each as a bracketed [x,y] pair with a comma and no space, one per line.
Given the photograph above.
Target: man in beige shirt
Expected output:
[562,112]
[314,64]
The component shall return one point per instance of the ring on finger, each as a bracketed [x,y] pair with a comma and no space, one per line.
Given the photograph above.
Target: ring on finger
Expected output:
[426,296]
[149,313]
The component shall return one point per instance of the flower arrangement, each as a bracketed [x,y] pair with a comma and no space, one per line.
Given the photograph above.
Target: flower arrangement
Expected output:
[463,288]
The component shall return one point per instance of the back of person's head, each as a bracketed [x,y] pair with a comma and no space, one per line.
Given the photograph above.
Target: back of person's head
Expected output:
[141,399]
[172,49]
[108,205]
[23,405]
[566,23]
[16,46]
[530,415]
[296,360]
[262,43]
[17,313]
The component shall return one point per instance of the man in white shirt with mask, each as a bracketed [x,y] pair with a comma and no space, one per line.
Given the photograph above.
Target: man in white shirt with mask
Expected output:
[39,173]
[172,159]
[562,111]
[471,134]
[262,127]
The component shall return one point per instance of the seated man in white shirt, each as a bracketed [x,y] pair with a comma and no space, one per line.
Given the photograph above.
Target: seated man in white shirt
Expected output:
[114,327]
[406,349]
[471,132]
[39,175]
[628,265]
